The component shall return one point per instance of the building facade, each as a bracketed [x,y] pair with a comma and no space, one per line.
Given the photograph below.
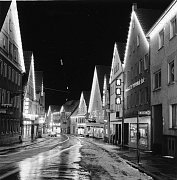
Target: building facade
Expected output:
[11,70]
[82,115]
[137,128]
[163,58]
[29,102]
[96,110]
[65,112]
[116,108]
[40,100]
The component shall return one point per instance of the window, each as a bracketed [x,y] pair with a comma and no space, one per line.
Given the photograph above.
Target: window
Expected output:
[138,40]
[173,118]
[5,70]
[10,49]
[140,66]
[15,53]
[19,79]
[9,73]
[140,97]
[146,62]
[8,97]
[5,42]
[16,77]
[1,67]
[171,76]
[146,95]
[157,80]
[0,95]
[3,96]
[173,27]
[13,75]
[161,39]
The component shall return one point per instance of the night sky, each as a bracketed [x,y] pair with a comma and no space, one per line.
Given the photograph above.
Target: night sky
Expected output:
[81,33]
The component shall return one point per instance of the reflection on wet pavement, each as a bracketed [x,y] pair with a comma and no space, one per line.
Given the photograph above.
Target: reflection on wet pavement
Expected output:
[57,163]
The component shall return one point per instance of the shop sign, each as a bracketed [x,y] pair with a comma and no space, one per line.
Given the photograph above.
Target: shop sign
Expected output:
[147,113]
[137,83]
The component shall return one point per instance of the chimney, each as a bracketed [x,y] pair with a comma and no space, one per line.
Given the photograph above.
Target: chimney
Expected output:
[134,7]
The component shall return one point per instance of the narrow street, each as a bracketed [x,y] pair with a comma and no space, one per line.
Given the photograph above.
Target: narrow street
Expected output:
[65,157]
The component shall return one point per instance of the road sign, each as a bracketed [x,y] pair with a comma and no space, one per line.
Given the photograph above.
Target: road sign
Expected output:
[147,113]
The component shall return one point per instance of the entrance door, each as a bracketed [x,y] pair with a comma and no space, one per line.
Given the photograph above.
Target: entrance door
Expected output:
[157,128]
[171,146]
[126,133]
[119,137]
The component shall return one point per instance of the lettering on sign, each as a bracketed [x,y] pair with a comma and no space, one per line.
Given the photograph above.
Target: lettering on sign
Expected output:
[141,81]
[148,113]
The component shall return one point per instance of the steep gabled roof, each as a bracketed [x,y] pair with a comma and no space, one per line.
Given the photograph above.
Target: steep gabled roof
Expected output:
[55,108]
[70,106]
[39,80]
[101,72]
[147,17]
[121,50]
[75,112]
[86,95]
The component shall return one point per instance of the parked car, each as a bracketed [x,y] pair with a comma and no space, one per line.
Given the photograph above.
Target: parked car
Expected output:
[53,134]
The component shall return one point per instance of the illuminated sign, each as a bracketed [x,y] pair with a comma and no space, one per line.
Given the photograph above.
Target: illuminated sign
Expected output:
[148,113]
[139,82]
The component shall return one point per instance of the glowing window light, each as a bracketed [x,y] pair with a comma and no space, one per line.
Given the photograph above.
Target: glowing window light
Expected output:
[118,100]
[135,18]
[118,91]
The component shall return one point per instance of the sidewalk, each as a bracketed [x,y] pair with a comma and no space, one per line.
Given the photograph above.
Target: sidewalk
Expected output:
[156,166]
[25,142]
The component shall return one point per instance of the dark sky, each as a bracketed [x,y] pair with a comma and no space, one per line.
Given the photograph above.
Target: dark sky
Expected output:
[81,33]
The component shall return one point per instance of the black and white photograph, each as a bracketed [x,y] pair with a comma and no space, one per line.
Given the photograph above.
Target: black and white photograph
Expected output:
[88,89]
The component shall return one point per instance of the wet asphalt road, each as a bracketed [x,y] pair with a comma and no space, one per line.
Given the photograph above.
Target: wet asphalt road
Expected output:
[60,162]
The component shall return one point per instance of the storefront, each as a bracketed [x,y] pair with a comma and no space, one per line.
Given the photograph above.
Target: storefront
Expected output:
[144,132]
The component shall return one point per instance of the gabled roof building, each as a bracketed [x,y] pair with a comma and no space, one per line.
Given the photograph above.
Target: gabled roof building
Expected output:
[116,110]
[95,110]
[11,69]
[163,53]
[137,79]
[29,104]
